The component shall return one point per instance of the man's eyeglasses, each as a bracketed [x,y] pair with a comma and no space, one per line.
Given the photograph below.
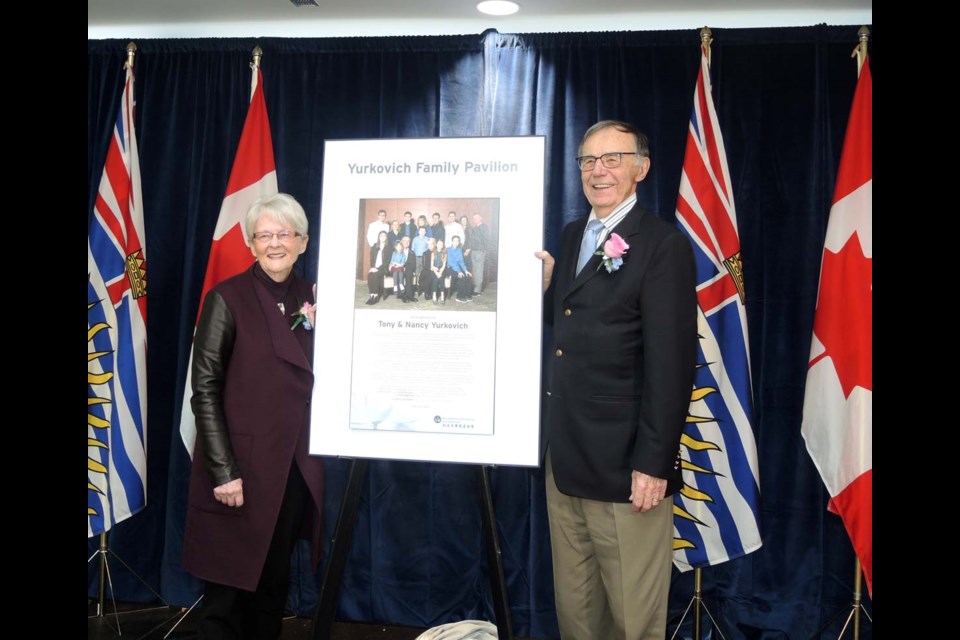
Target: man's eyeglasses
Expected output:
[610,160]
[264,237]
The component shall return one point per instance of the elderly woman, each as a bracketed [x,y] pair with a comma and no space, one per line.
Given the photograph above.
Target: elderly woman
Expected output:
[253,486]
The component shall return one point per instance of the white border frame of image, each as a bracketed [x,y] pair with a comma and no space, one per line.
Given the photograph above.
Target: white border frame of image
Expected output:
[518,339]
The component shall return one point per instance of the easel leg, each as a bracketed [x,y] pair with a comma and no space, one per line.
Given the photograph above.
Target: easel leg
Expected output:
[339,550]
[498,583]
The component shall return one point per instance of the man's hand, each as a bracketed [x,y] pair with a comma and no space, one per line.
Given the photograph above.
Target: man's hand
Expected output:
[646,492]
[230,494]
[548,263]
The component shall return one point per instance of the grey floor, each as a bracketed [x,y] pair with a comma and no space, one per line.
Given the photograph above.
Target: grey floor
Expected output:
[143,622]
[133,621]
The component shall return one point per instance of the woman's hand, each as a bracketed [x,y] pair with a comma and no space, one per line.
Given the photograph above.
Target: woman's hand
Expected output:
[230,494]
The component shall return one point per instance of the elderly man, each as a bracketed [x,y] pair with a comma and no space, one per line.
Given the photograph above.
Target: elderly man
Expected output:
[618,386]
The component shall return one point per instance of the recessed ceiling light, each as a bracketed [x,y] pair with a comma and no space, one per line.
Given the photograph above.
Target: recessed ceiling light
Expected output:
[498,7]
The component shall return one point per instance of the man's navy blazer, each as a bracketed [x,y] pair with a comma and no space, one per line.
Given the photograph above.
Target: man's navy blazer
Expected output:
[621,366]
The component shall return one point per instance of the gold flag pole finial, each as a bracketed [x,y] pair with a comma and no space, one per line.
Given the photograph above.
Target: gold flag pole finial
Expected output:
[861,49]
[257,54]
[131,52]
[706,38]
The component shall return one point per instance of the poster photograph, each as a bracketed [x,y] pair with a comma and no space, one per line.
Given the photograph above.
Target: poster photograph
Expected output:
[430,300]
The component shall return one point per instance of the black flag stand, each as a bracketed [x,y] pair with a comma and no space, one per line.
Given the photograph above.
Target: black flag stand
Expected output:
[343,536]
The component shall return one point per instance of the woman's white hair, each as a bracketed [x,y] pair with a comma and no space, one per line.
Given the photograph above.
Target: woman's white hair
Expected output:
[281,207]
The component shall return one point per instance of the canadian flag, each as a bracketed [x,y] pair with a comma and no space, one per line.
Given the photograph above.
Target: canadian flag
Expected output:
[838,404]
[253,175]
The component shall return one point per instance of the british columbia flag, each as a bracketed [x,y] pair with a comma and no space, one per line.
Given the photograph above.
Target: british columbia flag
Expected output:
[117,334]
[716,515]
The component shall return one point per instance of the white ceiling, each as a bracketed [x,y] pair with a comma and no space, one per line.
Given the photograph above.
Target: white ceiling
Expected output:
[338,18]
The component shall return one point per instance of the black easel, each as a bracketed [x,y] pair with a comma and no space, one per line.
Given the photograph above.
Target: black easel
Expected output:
[343,536]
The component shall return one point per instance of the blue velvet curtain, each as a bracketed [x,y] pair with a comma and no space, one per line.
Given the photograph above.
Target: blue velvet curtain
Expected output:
[782,96]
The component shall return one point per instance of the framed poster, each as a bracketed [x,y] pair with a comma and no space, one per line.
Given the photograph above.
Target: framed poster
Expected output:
[428,337]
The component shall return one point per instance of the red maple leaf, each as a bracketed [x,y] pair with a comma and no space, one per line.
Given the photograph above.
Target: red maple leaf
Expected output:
[844,320]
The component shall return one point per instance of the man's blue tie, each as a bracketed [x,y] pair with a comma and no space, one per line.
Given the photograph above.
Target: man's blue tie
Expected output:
[588,246]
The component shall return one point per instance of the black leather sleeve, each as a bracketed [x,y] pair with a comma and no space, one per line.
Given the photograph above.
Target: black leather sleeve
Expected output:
[212,348]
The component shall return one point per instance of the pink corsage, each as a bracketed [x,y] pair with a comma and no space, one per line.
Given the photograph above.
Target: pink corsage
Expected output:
[613,251]
[305,316]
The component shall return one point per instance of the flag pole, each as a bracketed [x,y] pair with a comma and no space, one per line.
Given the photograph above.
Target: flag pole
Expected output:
[131,53]
[101,582]
[104,580]
[861,49]
[699,606]
[257,54]
[861,52]
[855,607]
[863,33]
[706,38]
[103,574]
[857,596]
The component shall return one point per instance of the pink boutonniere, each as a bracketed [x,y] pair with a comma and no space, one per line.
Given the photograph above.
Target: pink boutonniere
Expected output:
[305,315]
[613,251]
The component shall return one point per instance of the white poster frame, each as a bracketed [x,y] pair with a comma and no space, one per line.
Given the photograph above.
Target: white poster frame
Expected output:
[464,378]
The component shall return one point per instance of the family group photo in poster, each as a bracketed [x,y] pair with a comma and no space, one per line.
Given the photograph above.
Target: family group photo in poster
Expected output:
[404,264]
[435,312]
[458,236]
